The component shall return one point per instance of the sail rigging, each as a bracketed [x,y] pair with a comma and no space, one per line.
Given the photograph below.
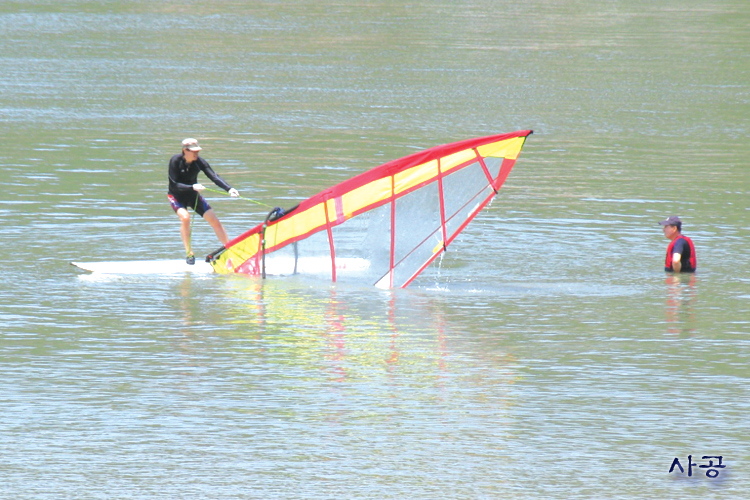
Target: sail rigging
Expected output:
[384,226]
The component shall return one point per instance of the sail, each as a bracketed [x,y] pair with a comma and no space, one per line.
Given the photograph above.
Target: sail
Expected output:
[384,226]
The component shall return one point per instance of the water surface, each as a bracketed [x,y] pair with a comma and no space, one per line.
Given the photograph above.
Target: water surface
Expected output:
[545,356]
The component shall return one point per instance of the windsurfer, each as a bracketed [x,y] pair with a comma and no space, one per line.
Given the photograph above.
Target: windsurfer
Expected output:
[184,192]
[681,251]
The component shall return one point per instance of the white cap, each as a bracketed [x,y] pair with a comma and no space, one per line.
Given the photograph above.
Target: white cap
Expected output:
[191,144]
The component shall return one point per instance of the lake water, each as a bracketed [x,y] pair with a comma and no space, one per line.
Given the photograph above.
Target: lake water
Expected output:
[546,356]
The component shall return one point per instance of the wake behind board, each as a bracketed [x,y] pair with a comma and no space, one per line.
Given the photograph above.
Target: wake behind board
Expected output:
[145,267]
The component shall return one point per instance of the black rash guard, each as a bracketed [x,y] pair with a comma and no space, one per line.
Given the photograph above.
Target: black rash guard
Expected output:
[182,176]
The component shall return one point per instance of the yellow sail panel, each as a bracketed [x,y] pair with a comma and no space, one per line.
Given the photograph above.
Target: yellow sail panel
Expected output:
[364,196]
[298,224]
[450,162]
[509,148]
[220,265]
[236,255]
[415,176]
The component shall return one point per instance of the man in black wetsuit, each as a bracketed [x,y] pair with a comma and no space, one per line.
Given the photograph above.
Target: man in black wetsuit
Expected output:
[184,192]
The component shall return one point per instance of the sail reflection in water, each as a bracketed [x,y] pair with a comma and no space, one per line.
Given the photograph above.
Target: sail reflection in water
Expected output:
[346,334]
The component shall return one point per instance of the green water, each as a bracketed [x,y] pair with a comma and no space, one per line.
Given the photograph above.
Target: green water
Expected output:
[546,356]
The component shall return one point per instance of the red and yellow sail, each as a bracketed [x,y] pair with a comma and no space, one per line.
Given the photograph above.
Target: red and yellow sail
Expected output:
[386,225]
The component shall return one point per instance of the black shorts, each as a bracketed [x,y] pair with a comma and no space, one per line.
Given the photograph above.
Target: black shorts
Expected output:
[189,200]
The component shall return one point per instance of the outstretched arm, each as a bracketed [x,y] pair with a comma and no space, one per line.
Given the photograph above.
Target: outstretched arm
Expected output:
[214,176]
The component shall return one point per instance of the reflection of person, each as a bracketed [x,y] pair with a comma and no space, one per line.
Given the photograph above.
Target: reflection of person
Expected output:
[680,305]
[680,252]
[184,192]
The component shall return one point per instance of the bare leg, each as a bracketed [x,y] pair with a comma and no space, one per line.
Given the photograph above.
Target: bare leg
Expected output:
[185,229]
[211,218]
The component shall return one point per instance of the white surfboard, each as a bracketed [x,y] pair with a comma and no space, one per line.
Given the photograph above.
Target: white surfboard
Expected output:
[146,267]
[275,265]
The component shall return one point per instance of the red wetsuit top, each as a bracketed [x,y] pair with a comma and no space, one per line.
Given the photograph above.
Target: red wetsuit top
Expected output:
[683,246]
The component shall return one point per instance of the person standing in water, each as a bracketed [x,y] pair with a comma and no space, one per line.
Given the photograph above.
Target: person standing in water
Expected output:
[184,192]
[681,256]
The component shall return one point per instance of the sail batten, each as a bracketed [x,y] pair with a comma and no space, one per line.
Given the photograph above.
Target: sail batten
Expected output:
[397,218]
